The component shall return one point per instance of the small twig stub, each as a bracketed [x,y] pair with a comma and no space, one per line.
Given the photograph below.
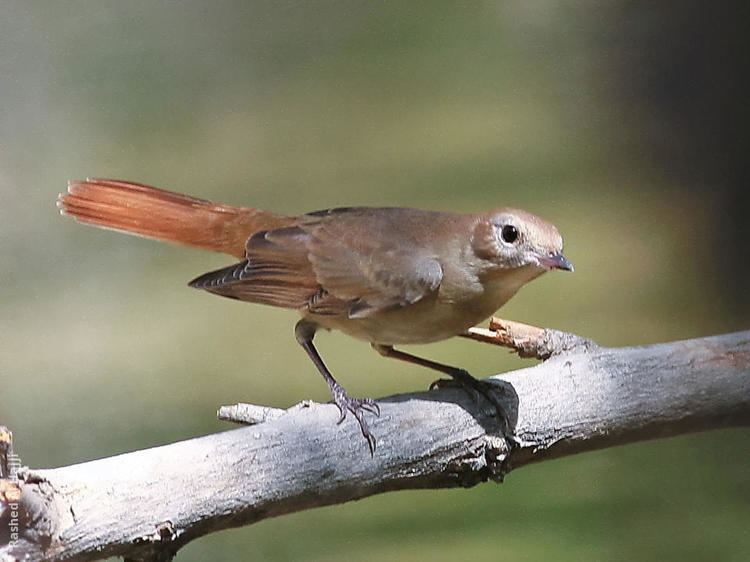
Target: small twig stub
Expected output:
[248,414]
[526,340]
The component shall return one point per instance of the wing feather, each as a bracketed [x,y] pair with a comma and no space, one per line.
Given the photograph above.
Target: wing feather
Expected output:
[372,273]
[331,264]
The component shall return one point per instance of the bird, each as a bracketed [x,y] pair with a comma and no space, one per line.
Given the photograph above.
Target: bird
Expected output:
[387,275]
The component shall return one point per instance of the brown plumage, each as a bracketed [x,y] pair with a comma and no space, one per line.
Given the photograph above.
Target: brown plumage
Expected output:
[385,275]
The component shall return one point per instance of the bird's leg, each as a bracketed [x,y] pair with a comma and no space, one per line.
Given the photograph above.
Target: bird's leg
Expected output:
[461,377]
[305,332]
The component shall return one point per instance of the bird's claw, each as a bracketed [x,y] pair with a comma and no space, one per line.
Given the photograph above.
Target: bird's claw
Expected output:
[475,388]
[357,407]
[472,392]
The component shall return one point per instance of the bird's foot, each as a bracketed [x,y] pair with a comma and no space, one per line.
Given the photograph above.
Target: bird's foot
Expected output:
[357,407]
[475,388]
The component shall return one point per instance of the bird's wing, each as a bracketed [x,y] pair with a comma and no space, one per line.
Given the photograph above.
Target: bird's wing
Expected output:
[276,271]
[373,270]
[331,263]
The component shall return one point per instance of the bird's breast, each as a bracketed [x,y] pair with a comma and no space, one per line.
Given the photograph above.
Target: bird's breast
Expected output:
[449,312]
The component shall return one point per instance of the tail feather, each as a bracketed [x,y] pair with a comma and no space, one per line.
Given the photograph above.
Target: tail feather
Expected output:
[165,215]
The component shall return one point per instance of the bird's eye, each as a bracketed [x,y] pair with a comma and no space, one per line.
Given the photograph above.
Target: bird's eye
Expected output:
[509,234]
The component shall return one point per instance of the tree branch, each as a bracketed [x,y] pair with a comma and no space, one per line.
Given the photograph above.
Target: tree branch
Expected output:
[147,504]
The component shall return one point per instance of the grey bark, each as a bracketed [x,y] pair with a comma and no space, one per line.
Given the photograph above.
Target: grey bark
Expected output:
[146,504]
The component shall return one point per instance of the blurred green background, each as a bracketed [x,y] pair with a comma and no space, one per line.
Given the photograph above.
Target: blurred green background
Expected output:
[620,122]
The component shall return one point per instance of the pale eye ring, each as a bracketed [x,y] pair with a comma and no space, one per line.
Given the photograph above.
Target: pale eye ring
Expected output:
[509,234]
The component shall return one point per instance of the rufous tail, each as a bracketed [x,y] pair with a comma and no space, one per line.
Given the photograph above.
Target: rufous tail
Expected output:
[164,215]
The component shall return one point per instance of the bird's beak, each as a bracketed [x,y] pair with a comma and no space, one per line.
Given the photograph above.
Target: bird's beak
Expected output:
[555,260]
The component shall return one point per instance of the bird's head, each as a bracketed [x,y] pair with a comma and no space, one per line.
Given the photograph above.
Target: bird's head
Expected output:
[512,238]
